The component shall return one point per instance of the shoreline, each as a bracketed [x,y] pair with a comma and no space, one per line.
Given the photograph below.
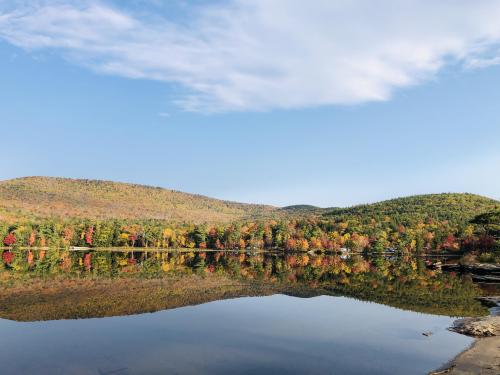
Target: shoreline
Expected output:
[483,355]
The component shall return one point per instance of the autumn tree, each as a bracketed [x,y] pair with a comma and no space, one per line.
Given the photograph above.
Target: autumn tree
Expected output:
[10,239]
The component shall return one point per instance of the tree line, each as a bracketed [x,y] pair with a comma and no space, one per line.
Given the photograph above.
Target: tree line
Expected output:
[294,234]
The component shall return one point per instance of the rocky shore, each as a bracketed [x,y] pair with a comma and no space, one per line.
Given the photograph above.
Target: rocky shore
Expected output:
[478,327]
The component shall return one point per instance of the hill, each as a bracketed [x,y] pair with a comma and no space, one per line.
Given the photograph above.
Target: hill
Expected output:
[50,197]
[44,197]
[33,212]
[303,209]
[457,207]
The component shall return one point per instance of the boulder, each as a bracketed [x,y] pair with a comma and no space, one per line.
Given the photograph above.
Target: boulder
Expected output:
[478,327]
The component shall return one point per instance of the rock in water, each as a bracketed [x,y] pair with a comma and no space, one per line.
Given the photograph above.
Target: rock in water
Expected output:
[478,327]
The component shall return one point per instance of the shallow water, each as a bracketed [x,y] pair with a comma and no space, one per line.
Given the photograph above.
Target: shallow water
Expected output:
[274,334]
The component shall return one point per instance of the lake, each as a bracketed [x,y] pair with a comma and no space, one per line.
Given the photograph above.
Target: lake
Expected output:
[229,313]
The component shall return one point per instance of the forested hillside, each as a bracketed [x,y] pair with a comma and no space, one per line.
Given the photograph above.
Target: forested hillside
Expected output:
[41,212]
[45,197]
[447,206]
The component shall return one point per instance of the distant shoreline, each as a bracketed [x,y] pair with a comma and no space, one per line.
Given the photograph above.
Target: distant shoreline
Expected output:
[199,250]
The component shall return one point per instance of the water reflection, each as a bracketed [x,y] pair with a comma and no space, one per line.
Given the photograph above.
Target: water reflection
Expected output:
[289,317]
[68,284]
[275,334]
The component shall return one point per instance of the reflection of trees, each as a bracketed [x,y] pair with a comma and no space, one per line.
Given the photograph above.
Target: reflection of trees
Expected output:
[403,282]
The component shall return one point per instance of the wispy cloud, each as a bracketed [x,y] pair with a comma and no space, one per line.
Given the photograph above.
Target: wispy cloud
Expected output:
[266,54]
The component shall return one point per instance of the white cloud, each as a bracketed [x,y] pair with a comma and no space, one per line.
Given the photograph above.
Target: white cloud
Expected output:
[266,54]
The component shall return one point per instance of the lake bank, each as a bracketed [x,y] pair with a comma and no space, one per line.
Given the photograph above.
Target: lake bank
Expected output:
[483,357]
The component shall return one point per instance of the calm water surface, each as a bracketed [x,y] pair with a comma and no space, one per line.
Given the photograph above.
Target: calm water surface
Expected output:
[274,334]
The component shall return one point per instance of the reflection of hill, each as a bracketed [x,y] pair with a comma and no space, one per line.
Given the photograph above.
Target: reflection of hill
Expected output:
[81,299]
[64,285]
[414,300]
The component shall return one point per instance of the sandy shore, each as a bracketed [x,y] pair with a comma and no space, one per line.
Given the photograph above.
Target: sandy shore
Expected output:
[483,357]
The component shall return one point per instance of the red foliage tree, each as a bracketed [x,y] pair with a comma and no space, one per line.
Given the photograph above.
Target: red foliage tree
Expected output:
[7,257]
[450,243]
[291,260]
[89,234]
[9,239]
[291,244]
[87,261]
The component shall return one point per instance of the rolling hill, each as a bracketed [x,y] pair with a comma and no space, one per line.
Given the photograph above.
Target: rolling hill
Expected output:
[445,206]
[50,197]
[44,197]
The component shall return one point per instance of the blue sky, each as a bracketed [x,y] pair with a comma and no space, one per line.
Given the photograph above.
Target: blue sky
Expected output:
[155,96]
